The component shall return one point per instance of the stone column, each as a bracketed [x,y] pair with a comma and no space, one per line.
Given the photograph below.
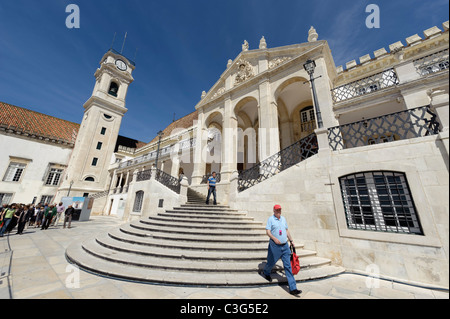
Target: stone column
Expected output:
[229,142]
[440,105]
[323,90]
[200,149]
[269,135]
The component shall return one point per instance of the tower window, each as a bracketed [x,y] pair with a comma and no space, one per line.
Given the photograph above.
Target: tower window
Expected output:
[99,145]
[94,161]
[113,89]
[89,179]
[103,131]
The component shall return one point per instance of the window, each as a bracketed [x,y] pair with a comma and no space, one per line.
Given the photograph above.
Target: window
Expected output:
[138,201]
[94,161]
[308,120]
[53,177]
[103,131]
[379,201]
[89,179]
[99,145]
[113,89]
[46,199]
[14,172]
[5,198]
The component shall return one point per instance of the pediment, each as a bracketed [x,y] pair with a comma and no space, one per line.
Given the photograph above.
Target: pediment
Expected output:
[250,64]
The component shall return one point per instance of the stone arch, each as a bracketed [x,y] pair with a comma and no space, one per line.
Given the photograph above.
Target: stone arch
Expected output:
[289,96]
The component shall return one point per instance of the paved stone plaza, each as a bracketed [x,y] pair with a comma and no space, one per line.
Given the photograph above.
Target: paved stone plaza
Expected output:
[40,270]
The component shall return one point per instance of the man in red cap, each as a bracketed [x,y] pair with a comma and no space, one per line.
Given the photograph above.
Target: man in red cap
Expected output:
[277,230]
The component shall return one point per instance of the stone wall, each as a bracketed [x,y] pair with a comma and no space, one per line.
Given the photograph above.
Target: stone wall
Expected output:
[312,202]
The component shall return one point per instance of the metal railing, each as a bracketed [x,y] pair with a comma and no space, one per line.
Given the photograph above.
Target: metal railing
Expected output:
[364,86]
[417,122]
[279,162]
[167,180]
[432,63]
[144,175]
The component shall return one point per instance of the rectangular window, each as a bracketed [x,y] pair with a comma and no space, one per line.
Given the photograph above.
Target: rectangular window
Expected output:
[103,131]
[46,199]
[5,198]
[379,201]
[14,172]
[99,145]
[54,176]
[94,161]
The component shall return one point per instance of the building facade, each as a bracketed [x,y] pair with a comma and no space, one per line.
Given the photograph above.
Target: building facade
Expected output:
[357,157]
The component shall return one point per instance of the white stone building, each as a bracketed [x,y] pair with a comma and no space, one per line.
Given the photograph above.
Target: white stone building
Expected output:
[358,158]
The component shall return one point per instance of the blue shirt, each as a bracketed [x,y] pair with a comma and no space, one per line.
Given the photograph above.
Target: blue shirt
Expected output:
[212,181]
[278,228]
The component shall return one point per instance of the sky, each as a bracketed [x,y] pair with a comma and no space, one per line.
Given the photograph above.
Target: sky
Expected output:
[180,47]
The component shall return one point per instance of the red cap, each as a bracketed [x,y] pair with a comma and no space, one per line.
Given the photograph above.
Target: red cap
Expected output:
[277,207]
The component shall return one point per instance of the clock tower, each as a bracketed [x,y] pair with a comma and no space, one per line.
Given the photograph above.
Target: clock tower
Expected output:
[87,171]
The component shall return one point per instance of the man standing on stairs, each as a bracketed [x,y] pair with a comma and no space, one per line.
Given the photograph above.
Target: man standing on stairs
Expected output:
[277,230]
[211,188]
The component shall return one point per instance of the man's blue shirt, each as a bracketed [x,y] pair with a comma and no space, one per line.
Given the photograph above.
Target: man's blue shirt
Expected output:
[278,228]
[212,181]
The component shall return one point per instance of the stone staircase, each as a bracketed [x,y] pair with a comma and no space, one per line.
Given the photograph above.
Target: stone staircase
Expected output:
[194,244]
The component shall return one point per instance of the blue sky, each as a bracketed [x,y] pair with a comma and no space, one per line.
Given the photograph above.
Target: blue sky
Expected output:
[182,46]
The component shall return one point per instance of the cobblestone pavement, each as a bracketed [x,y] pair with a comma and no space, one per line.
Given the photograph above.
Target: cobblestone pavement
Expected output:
[33,265]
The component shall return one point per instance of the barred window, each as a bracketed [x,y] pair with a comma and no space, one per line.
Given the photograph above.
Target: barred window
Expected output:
[54,176]
[379,201]
[138,201]
[14,172]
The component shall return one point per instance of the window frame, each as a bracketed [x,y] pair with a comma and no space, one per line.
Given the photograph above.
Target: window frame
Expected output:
[379,201]
[12,176]
[138,201]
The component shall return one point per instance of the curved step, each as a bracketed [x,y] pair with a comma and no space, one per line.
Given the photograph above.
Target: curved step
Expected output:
[144,225]
[191,245]
[130,229]
[133,238]
[155,221]
[76,254]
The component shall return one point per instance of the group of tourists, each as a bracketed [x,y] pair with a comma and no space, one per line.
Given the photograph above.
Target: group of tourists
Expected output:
[41,215]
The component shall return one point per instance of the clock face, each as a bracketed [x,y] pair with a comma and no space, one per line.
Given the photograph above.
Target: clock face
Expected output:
[121,65]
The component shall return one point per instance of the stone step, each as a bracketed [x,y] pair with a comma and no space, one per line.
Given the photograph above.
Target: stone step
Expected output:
[177,218]
[144,225]
[76,254]
[195,206]
[176,243]
[204,216]
[105,247]
[154,221]
[194,244]
[142,232]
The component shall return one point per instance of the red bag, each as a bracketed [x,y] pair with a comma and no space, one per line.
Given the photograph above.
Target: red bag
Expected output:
[295,263]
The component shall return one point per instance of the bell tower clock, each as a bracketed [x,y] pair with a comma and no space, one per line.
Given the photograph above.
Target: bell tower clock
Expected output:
[87,170]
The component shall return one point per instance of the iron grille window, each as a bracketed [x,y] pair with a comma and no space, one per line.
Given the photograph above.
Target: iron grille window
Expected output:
[138,201]
[14,172]
[379,201]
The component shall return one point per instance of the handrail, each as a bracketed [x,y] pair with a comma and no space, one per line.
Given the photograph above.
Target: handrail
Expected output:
[291,155]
